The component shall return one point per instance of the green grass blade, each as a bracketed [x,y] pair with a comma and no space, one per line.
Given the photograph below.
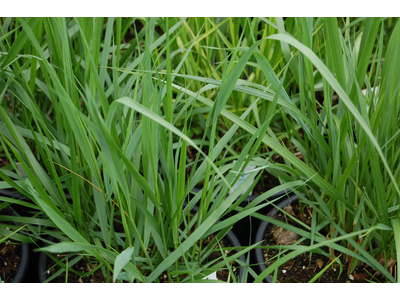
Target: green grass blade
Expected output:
[342,94]
[120,262]
[396,230]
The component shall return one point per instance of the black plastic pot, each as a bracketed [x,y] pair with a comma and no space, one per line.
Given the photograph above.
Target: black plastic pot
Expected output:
[232,240]
[244,229]
[262,230]
[42,266]
[24,264]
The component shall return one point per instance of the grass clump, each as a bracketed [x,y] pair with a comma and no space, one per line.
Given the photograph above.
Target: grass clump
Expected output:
[100,114]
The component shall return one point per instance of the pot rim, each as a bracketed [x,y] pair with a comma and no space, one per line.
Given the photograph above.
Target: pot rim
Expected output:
[24,264]
[233,240]
[262,228]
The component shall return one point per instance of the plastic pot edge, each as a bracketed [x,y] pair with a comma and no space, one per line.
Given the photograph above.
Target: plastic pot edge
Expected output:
[233,240]
[258,253]
[24,264]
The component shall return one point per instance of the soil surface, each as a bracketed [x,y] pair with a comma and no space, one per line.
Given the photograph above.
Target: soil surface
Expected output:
[10,255]
[307,265]
[76,273]
[224,274]
[10,258]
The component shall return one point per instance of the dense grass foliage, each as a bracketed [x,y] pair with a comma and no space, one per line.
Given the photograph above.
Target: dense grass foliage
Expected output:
[116,120]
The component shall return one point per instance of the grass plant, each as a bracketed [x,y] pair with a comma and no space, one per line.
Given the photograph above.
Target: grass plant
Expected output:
[95,163]
[100,113]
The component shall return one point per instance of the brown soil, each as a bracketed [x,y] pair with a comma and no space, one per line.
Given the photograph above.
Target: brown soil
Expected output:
[301,270]
[76,273]
[10,255]
[10,258]
[305,266]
